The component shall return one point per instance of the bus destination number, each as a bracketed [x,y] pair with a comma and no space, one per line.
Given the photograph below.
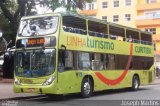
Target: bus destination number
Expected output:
[35,42]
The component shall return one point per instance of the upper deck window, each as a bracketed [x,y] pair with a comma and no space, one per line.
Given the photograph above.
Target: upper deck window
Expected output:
[38,26]
[97,29]
[74,24]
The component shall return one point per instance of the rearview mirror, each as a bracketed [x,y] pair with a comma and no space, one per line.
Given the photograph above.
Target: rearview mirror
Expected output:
[1,34]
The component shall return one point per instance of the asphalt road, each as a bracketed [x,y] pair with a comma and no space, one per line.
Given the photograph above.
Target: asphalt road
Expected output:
[145,96]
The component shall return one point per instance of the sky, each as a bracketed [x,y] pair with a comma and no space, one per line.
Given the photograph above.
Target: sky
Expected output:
[42,10]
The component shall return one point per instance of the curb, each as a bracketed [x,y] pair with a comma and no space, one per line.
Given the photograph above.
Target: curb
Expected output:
[6,80]
[21,98]
[154,83]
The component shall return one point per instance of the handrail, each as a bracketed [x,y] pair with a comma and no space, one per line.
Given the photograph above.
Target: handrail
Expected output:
[98,34]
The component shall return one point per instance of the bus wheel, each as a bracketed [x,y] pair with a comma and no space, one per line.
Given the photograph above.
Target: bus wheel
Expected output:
[135,83]
[86,88]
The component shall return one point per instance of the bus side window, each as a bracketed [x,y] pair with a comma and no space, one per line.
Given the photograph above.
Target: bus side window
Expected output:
[69,60]
[65,60]
[84,61]
[110,62]
[97,29]
[74,25]
[106,61]
[97,62]
[61,60]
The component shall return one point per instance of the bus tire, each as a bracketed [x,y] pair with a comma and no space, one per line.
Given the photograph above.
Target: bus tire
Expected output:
[86,88]
[135,83]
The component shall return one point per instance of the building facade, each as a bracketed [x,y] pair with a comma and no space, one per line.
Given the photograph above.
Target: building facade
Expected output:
[148,19]
[118,11]
[141,14]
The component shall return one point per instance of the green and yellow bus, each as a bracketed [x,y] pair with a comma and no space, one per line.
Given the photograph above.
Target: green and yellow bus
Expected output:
[65,53]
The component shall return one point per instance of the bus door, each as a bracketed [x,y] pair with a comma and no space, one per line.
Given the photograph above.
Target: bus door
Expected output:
[67,75]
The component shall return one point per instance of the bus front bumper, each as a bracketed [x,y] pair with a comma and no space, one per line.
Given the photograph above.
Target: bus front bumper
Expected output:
[39,89]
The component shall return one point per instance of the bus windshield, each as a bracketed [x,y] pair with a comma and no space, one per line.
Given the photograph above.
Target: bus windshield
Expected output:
[38,26]
[35,63]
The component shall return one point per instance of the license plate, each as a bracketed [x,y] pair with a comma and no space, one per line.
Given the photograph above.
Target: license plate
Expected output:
[30,90]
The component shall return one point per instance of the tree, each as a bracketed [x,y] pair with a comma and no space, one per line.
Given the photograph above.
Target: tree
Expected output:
[70,5]
[13,10]
[74,4]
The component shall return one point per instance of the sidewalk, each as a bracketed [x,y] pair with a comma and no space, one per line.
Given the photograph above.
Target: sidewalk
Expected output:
[156,81]
[6,80]
[6,90]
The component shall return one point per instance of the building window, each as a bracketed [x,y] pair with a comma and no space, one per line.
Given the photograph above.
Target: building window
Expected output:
[150,15]
[91,6]
[115,18]
[151,30]
[127,2]
[104,4]
[104,18]
[127,17]
[84,6]
[151,1]
[116,3]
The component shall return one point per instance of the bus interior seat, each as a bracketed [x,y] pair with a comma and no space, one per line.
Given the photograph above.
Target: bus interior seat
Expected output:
[99,34]
[105,35]
[114,37]
[91,33]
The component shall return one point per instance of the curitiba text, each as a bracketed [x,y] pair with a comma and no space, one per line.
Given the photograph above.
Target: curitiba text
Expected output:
[144,50]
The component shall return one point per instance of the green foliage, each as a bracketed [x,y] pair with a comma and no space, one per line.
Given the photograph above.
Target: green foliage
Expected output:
[5,27]
[72,5]
[12,10]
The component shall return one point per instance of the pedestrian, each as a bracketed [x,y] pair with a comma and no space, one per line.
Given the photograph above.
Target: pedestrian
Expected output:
[130,39]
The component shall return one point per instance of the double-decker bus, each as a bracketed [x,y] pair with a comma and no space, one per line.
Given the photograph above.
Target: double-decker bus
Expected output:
[65,53]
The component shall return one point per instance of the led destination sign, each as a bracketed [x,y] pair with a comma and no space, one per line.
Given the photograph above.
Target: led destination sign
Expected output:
[36,42]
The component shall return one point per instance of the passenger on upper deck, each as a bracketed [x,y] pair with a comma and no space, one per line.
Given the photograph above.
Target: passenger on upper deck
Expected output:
[130,39]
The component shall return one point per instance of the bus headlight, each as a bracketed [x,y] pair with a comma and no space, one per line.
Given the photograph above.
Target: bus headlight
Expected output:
[17,82]
[49,81]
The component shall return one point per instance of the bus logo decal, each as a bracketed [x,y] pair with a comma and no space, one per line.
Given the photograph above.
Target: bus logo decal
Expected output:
[122,76]
[89,43]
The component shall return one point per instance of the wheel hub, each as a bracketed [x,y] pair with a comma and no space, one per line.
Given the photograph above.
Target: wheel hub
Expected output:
[87,88]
